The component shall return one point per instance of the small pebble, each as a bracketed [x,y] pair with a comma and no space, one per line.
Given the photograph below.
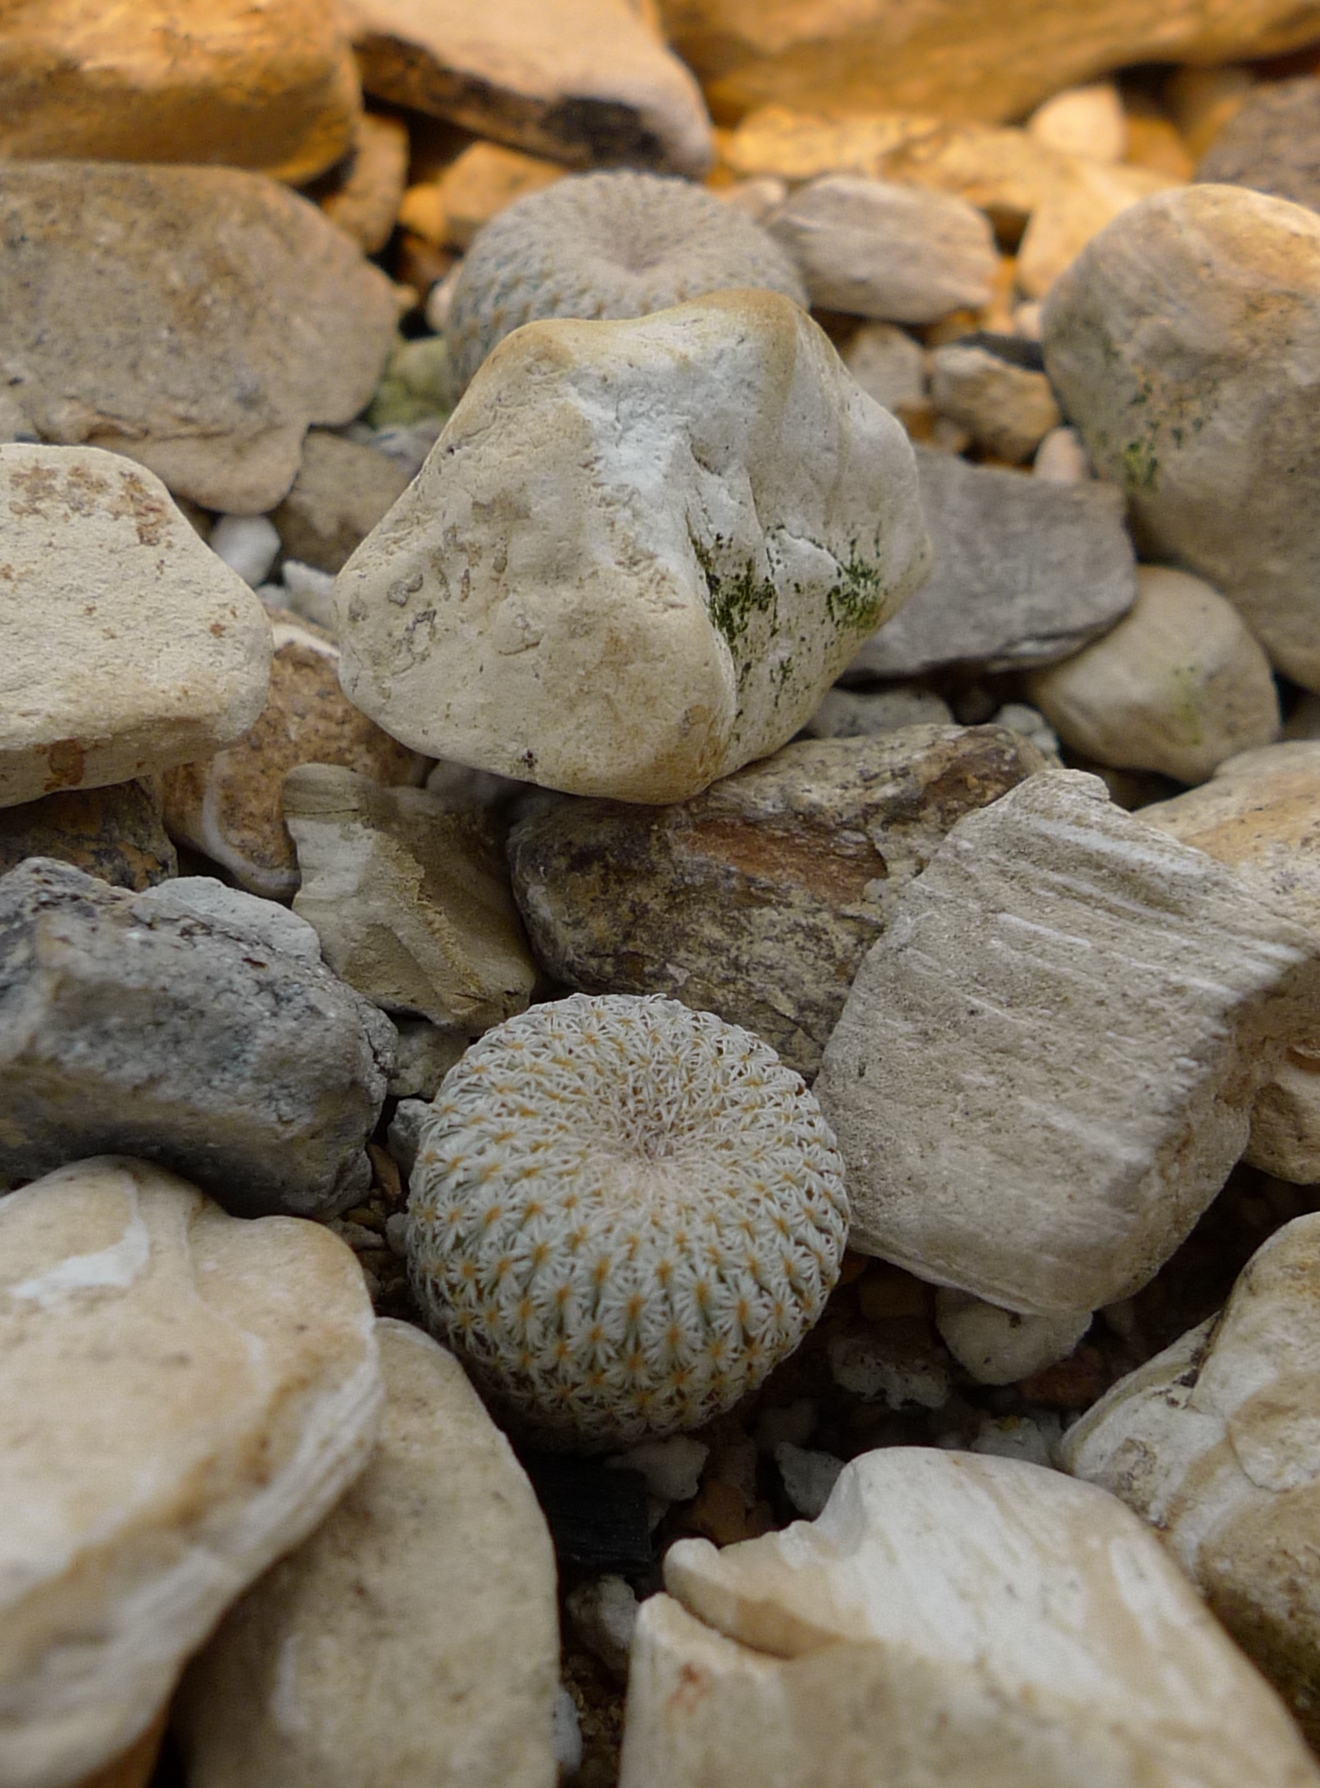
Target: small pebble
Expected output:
[248,544]
[808,1477]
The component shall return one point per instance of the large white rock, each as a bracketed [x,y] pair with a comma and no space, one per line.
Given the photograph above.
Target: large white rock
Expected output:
[1046,1066]
[128,645]
[1216,1442]
[639,553]
[414,1639]
[950,1618]
[183,1397]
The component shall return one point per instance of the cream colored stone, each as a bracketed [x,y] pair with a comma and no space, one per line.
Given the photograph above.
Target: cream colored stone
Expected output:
[1000,1346]
[479,183]
[365,199]
[1061,458]
[976,1622]
[1214,1443]
[579,81]
[207,1388]
[1184,343]
[263,84]
[1074,212]
[1102,1005]
[1178,686]
[639,553]
[888,365]
[1086,121]
[1007,409]
[128,645]
[414,1638]
[409,897]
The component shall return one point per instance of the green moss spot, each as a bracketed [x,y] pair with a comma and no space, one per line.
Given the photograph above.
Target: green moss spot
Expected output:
[857,601]
[1140,465]
[734,600]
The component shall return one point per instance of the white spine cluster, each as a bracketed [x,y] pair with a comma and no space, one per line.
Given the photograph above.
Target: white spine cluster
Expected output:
[623,1214]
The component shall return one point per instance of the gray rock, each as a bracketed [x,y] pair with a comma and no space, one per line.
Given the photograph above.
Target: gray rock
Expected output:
[1026,571]
[604,1612]
[192,1025]
[808,1477]
[1272,144]
[850,714]
[342,490]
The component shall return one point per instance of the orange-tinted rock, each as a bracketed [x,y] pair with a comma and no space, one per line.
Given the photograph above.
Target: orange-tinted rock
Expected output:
[114,833]
[364,196]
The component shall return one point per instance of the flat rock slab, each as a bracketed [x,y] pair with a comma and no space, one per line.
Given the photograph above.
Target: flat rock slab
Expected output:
[585,82]
[207,1389]
[192,1025]
[1046,1067]
[759,898]
[415,1637]
[1024,572]
[974,1621]
[638,555]
[273,317]
[129,646]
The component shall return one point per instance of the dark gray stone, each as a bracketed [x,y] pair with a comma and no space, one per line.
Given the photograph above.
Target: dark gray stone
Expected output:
[1272,145]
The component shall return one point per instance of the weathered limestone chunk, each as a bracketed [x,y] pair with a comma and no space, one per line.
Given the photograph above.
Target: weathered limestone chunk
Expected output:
[1025,572]
[192,1025]
[949,1618]
[342,490]
[1087,121]
[1184,343]
[128,645]
[273,320]
[1000,1346]
[115,833]
[1213,1442]
[366,194]
[1046,1067]
[1007,409]
[409,897]
[414,1638]
[206,1390]
[639,553]
[759,898]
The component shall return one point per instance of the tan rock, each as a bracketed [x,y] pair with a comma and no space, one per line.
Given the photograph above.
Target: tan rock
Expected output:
[1202,100]
[1001,1346]
[1153,142]
[1104,1004]
[1177,686]
[1213,1442]
[479,183]
[758,899]
[274,321]
[949,1618]
[1074,212]
[579,81]
[262,86]
[414,1638]
[115,833]
[365,199]
[129,646]
[1006,409]
[209,1387]
[962,58]
[889,366]
[409,897]
[228,806]
[136,1766]
[342,490]
[639,553]
[1086,121]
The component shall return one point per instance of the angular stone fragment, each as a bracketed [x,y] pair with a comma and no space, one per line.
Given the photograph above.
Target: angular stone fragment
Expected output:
[585,82]
[482,181]
[1007,409]
[638,555]
[1192,389]
[1025,572]
[970,1621]
[274,321]
[1046,1067]
[192,1025]
[206,1390]
[1272,143]
[342,490]
[228,806]
[1214,1443]
[114,833]
[266,87]
[414,1638]
[128,645]
[758,899]
[409,897]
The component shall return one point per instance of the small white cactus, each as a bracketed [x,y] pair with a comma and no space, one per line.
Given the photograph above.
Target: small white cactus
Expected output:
[623,1214]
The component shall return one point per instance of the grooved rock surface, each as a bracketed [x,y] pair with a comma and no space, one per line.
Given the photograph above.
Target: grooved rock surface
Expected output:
[1184,344]
[263,84]
[1213,1441]
[128,645]
[978,1622]
[415,1637]
[273,317]
[638,555]
[1046,1067]
[579,81]
[192,1025]
[207,1389]
[759,898]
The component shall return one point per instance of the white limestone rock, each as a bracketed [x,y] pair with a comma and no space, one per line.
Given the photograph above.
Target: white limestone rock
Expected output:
[128,645]
[1046,1066]
[413,1639]
[1000,1346]
[639,554]
[183,1397]
[949,1618]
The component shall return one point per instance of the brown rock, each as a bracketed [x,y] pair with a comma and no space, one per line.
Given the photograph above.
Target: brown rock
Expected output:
[262,84]
[228,806]
[482,181]
[342,490]
[134,1767]
[115,833]
[365,197]
[759,898]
